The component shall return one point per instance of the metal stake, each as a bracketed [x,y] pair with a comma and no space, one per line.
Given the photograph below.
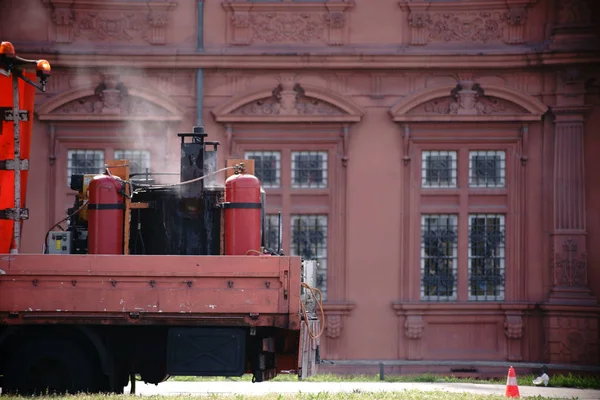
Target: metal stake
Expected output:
[17,150]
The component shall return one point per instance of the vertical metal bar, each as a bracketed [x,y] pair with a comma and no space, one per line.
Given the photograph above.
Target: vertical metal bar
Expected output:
[280,244]
[17,171]
[199,96]
[200,25]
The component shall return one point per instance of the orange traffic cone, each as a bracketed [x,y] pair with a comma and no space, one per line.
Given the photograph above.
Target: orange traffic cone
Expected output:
[512,388]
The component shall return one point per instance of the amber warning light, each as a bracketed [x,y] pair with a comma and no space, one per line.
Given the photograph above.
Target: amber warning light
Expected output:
[7,50]
[43,68]
[7,55]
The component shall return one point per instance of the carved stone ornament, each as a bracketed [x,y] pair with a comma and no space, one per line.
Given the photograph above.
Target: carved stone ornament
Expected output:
[414,327]
[468,98]
[455,21]
[111,97]
[333,327]
[110,21]
[513,326]
[287,22]
[289,100]
[570,267]
[574,12]
[335,313]
[571,337]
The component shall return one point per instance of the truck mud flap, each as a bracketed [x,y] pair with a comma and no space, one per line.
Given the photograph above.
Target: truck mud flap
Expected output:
[206,351]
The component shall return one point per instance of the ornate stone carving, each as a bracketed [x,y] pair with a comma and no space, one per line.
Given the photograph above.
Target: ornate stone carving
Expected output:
[570,268]
[104,21]
[473,23]
[111,97]
[414,327]
[335,313]
[288,27]
[468,102]
[333,327]
[272,23]
[513,326]
[571,338]
[574,12]
[289,99]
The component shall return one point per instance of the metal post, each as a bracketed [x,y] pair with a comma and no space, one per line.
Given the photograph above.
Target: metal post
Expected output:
[17,160]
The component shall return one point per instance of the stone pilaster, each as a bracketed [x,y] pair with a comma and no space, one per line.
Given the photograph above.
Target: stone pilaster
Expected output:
[571,313]
[568,246]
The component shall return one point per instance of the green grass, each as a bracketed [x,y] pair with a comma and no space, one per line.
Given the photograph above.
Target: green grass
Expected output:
[567,381]
[405,395]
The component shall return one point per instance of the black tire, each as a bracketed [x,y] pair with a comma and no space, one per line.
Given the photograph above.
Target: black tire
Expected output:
[51,365]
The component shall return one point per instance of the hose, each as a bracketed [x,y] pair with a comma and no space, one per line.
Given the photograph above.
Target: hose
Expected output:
[319,301]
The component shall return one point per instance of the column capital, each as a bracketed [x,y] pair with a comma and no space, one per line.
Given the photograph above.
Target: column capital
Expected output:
[571,113]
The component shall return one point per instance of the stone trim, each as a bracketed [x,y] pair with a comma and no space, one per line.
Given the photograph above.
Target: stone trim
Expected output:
[289,102]
[250,23]
[108,21]
[470,22]
[465,103]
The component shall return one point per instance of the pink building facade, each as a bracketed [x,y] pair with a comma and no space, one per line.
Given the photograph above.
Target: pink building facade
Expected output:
[436,157]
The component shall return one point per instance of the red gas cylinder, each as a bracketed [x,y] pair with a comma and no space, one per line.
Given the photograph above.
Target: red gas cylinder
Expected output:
[242,215]
[106,213]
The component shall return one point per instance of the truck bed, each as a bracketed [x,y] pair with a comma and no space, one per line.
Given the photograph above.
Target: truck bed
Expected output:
[244,290]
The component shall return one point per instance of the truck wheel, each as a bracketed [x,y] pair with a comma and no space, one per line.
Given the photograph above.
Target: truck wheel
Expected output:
[50,365]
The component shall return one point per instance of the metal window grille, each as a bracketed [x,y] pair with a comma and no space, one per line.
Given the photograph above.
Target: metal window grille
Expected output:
[83,161]
[309,169]
[487,169]
[486,257]
[309,241]
[438,257]
[439,169]
[267,167]
[272,232]
[139,160]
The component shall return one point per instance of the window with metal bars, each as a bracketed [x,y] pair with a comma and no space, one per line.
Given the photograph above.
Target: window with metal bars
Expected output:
[486,256]
[487,169]
[267,167]
[309,241]
[139,160]
[309,169]
[84,161]
[439,169]
[438,257]
[272,232]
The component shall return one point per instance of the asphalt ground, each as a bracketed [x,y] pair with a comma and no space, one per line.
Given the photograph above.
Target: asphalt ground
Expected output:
[257,389]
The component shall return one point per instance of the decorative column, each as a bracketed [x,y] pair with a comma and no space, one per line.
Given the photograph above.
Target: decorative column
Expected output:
[337,309]
[569,256]
[571,312]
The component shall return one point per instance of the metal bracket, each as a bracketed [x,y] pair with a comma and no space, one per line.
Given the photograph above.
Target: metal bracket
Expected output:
[10,165]
[8,114]
[14,214]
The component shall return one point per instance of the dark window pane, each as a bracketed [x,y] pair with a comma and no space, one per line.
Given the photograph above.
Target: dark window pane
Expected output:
[487,169]
[267,167]
[438,257]
[309,240]
[486,257]
[139,160]
[309,169]
[84,162]
[439,169]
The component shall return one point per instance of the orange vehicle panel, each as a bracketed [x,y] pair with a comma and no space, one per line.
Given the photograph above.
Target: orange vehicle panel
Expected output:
[7,140]
[260,290]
